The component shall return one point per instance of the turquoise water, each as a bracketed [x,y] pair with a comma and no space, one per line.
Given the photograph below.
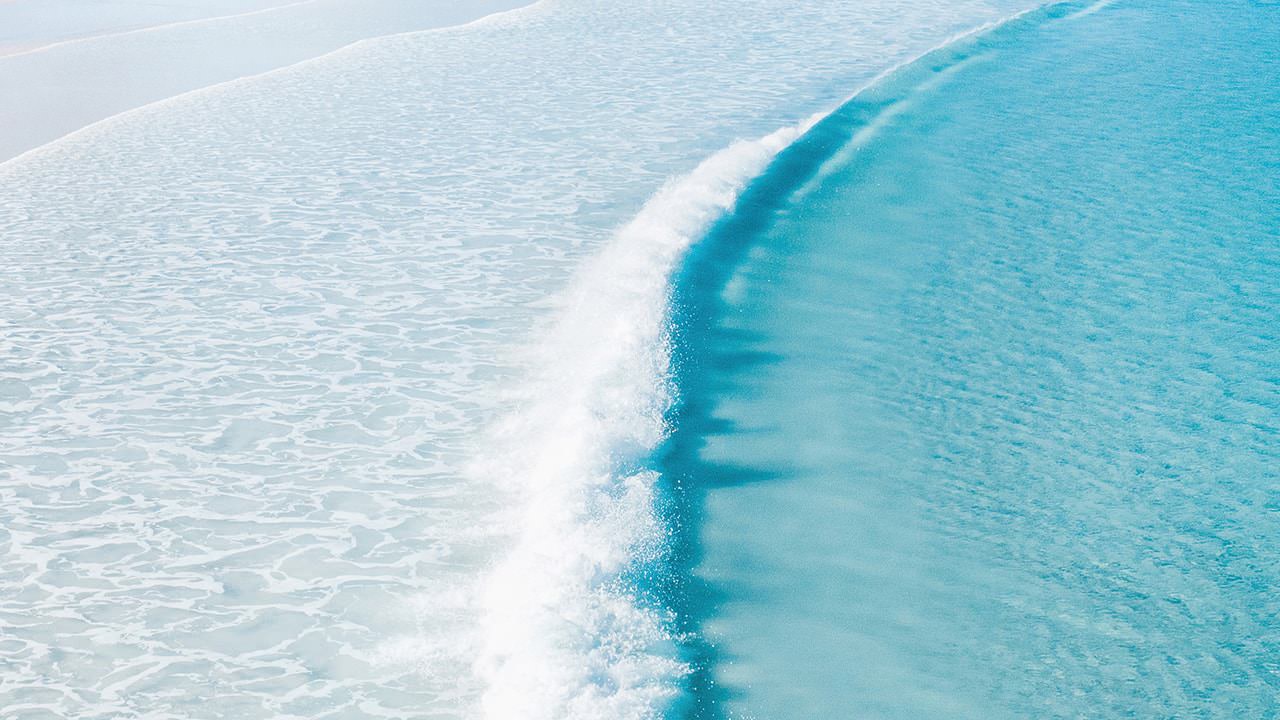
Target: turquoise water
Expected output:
[324,392]
[980,387]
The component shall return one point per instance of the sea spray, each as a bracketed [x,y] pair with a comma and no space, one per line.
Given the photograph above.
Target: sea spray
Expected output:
[562,635]
[281,336]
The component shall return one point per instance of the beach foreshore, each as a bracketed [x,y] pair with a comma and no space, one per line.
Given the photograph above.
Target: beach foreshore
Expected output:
[71,75]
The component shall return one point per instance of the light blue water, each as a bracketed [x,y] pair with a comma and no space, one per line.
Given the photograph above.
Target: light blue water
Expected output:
[320,389]
[981,386]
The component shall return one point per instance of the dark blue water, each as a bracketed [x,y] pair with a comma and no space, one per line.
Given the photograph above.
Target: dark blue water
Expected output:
[981,387]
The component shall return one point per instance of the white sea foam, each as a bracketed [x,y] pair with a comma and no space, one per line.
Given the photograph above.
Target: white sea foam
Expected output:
[255,339]
[562,636]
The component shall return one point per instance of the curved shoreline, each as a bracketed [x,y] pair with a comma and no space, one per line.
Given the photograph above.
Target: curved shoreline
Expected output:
[583,454]
[105,121]
[469,284]
[33,50]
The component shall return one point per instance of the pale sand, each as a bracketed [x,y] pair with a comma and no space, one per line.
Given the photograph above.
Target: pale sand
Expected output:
[55,88]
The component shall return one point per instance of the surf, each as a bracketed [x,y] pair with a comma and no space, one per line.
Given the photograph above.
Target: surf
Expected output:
[294,300]
[588,614]
[929,448]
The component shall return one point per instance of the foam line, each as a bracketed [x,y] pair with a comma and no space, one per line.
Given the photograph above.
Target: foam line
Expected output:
[1089,10]
[107,122]
[562,634]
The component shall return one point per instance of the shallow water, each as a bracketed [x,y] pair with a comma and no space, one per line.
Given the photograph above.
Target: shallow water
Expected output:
[65,64]
[980,405]
[256,344]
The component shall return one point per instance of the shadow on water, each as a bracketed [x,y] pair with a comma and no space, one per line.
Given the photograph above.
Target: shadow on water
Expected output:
[710,358]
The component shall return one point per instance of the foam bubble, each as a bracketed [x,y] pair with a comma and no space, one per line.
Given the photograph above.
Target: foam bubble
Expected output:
[562,636]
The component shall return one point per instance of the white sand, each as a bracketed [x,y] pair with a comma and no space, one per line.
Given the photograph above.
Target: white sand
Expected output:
[30,24]
[65,64]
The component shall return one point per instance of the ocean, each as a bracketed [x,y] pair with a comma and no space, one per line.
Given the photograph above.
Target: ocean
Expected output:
[980,407]
[659,360]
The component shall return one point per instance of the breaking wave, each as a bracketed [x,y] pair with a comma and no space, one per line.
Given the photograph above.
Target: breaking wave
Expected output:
[565,633]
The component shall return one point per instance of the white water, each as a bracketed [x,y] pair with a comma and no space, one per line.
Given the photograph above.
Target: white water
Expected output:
[1089,10]
[567,640]
[570,641]
[270,445]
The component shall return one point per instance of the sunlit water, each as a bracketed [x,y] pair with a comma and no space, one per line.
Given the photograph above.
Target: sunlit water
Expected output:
[269,447]
[981,387]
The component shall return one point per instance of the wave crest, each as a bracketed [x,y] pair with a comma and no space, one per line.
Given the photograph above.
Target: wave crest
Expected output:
[562,635]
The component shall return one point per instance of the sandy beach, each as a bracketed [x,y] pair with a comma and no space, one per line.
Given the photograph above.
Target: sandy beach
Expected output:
[63,67]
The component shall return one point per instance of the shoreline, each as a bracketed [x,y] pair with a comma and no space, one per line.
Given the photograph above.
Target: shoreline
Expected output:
[396,217]
[59,89]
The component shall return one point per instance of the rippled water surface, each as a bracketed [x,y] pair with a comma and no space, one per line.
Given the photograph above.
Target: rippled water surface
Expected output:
[251,340]
[982,414]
